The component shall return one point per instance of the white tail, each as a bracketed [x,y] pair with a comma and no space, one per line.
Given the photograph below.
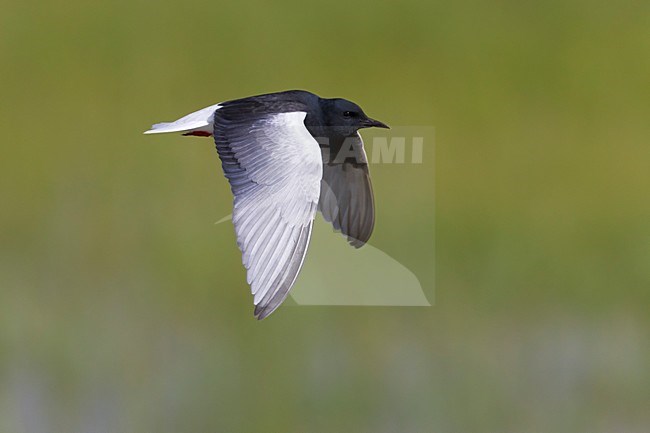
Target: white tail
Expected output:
[197,123]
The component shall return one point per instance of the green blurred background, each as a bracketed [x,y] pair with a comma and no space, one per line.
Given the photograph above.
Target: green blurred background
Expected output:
[123,308]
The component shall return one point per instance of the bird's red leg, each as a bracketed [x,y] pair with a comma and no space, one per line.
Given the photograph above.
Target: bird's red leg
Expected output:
[199,134]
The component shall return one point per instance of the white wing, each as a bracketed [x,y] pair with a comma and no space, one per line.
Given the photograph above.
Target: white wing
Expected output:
[274,167]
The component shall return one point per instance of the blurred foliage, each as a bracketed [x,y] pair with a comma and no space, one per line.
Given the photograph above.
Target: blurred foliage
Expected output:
[123,308]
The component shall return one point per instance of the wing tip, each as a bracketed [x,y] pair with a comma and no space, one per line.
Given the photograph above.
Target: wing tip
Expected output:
[267,305]
[356,243]
[262,312]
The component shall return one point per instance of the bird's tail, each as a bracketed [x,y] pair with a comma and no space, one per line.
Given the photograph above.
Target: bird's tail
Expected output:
[199,123]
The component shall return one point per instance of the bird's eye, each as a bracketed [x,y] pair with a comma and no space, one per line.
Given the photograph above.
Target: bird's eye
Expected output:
[349,114]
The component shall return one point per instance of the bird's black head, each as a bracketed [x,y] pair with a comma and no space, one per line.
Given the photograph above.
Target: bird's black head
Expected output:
[345,118]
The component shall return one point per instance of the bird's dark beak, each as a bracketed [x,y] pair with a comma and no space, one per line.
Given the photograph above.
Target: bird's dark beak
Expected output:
[372,123]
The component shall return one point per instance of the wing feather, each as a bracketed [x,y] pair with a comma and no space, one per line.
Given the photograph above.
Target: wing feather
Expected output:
[346,198]
[274,168]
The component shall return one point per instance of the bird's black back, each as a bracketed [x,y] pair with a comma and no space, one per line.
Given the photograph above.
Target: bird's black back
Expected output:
[274,103]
